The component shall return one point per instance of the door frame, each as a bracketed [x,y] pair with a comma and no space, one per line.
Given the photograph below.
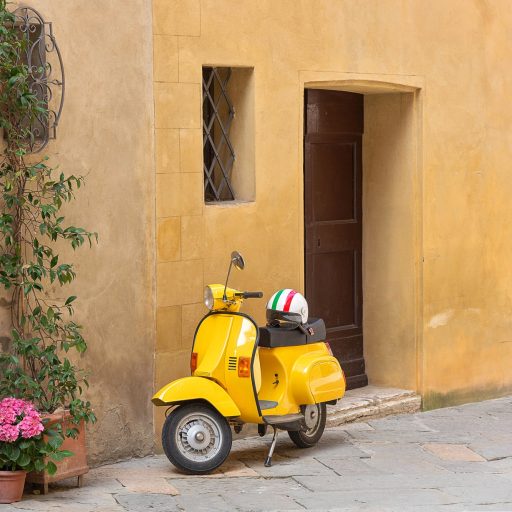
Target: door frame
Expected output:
[377,84]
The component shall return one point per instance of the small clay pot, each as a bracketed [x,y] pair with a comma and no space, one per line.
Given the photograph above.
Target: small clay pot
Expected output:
[11,485]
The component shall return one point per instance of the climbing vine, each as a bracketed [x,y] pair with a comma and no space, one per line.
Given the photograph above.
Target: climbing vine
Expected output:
[38,366]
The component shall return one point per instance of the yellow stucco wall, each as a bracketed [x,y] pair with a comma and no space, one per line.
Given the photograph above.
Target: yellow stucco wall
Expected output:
[436,180]
[444,327]
[105,134]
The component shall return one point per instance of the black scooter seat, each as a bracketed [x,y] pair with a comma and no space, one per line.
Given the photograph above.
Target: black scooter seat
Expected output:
[273,337]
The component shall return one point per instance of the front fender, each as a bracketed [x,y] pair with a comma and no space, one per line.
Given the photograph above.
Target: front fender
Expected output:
[197,388]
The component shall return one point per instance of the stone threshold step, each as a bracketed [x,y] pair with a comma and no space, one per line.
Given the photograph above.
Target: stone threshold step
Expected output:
[372,402]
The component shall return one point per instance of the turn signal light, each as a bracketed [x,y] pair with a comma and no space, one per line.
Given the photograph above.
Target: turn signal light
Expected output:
[193,362]
[244,366]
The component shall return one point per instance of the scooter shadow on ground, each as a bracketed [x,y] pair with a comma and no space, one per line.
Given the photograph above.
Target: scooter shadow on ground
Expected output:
[286,449]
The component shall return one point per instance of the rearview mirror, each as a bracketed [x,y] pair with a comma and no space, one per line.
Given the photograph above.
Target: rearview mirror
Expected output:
[237,260]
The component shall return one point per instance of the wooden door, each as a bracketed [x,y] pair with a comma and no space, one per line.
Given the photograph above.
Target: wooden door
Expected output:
[333,222]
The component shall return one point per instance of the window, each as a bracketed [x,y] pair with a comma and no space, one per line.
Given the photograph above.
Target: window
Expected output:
[218,152]
[228,134]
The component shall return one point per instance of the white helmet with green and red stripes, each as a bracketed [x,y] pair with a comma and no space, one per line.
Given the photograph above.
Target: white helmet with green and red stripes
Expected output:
[287,308]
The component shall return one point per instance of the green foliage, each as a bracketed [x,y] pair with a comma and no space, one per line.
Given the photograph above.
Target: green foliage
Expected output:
[35,454]
[39,366]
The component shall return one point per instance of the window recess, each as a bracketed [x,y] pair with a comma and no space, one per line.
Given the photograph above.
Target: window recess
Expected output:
[228,134]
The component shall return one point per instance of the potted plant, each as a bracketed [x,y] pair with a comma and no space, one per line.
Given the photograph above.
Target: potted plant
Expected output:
[37,366]
[23,447]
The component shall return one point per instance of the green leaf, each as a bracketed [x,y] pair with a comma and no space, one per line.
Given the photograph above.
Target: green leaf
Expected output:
[25,444]
[39,465]
[15,454]
[51,468]
[55,442]
[70,300]
[24,460]
[57,456]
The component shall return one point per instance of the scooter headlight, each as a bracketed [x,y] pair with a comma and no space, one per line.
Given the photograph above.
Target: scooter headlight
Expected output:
[208,298]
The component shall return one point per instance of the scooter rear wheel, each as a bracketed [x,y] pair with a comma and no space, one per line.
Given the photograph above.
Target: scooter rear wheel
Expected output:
[315,416]
[196,438]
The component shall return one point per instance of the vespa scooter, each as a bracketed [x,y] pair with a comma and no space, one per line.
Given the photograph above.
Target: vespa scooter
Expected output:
[244,374]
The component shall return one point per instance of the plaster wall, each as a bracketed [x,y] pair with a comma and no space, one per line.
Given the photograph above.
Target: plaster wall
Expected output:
[454,281]
[106,135]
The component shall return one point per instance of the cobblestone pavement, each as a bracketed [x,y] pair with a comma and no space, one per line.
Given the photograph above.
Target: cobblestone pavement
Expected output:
[453,459]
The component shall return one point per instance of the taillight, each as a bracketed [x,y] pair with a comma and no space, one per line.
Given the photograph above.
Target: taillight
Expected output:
[328,348]
[193,362]
[244,366]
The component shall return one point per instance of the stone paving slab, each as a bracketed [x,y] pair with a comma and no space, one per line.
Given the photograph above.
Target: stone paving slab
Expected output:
[139,502]
[148,485]
[496,451]
[381,497]
[450,460]
[457,452]
[285,467]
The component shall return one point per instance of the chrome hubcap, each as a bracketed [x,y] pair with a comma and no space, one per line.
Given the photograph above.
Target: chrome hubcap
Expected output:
[198,437]
[312,418]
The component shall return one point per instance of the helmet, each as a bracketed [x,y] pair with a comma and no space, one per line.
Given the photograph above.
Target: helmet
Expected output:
[287,308]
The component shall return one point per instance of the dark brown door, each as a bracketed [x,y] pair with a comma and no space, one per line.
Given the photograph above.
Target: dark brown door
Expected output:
[333,223]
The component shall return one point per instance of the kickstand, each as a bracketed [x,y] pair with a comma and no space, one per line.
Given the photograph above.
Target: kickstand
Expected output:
[268,460]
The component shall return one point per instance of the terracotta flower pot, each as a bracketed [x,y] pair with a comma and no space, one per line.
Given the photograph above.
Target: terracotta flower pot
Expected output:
[11,485]
[76,465]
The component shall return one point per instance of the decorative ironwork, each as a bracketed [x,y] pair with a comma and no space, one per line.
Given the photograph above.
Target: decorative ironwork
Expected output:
[46,74]
[218,152]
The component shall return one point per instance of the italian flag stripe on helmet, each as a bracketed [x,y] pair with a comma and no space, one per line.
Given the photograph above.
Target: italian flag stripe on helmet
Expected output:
[282,300]
[289,300]
[276,298]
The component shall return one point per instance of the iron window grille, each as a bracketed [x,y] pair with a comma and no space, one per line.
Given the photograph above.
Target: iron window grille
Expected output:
[218,153]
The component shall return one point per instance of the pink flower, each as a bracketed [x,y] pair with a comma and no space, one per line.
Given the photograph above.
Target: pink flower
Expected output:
[7,415]
[9,433]
[31,425]
[14,404]
[18,417]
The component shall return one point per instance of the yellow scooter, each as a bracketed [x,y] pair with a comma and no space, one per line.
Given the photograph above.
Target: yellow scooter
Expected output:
[282,378]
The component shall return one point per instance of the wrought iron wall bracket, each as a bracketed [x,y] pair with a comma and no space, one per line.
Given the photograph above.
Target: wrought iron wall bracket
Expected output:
[46,73]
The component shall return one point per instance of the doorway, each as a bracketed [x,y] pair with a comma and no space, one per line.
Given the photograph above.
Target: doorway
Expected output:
[334,126]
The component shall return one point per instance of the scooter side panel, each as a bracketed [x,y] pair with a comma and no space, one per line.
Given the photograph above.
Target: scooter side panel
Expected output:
[197,388]
[241,344]
[317,377]
[326,381]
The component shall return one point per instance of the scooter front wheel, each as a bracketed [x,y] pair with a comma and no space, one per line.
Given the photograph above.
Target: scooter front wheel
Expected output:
[196,438]
[315,416]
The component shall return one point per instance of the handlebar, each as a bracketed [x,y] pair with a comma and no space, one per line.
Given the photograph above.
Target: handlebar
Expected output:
[252,295]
